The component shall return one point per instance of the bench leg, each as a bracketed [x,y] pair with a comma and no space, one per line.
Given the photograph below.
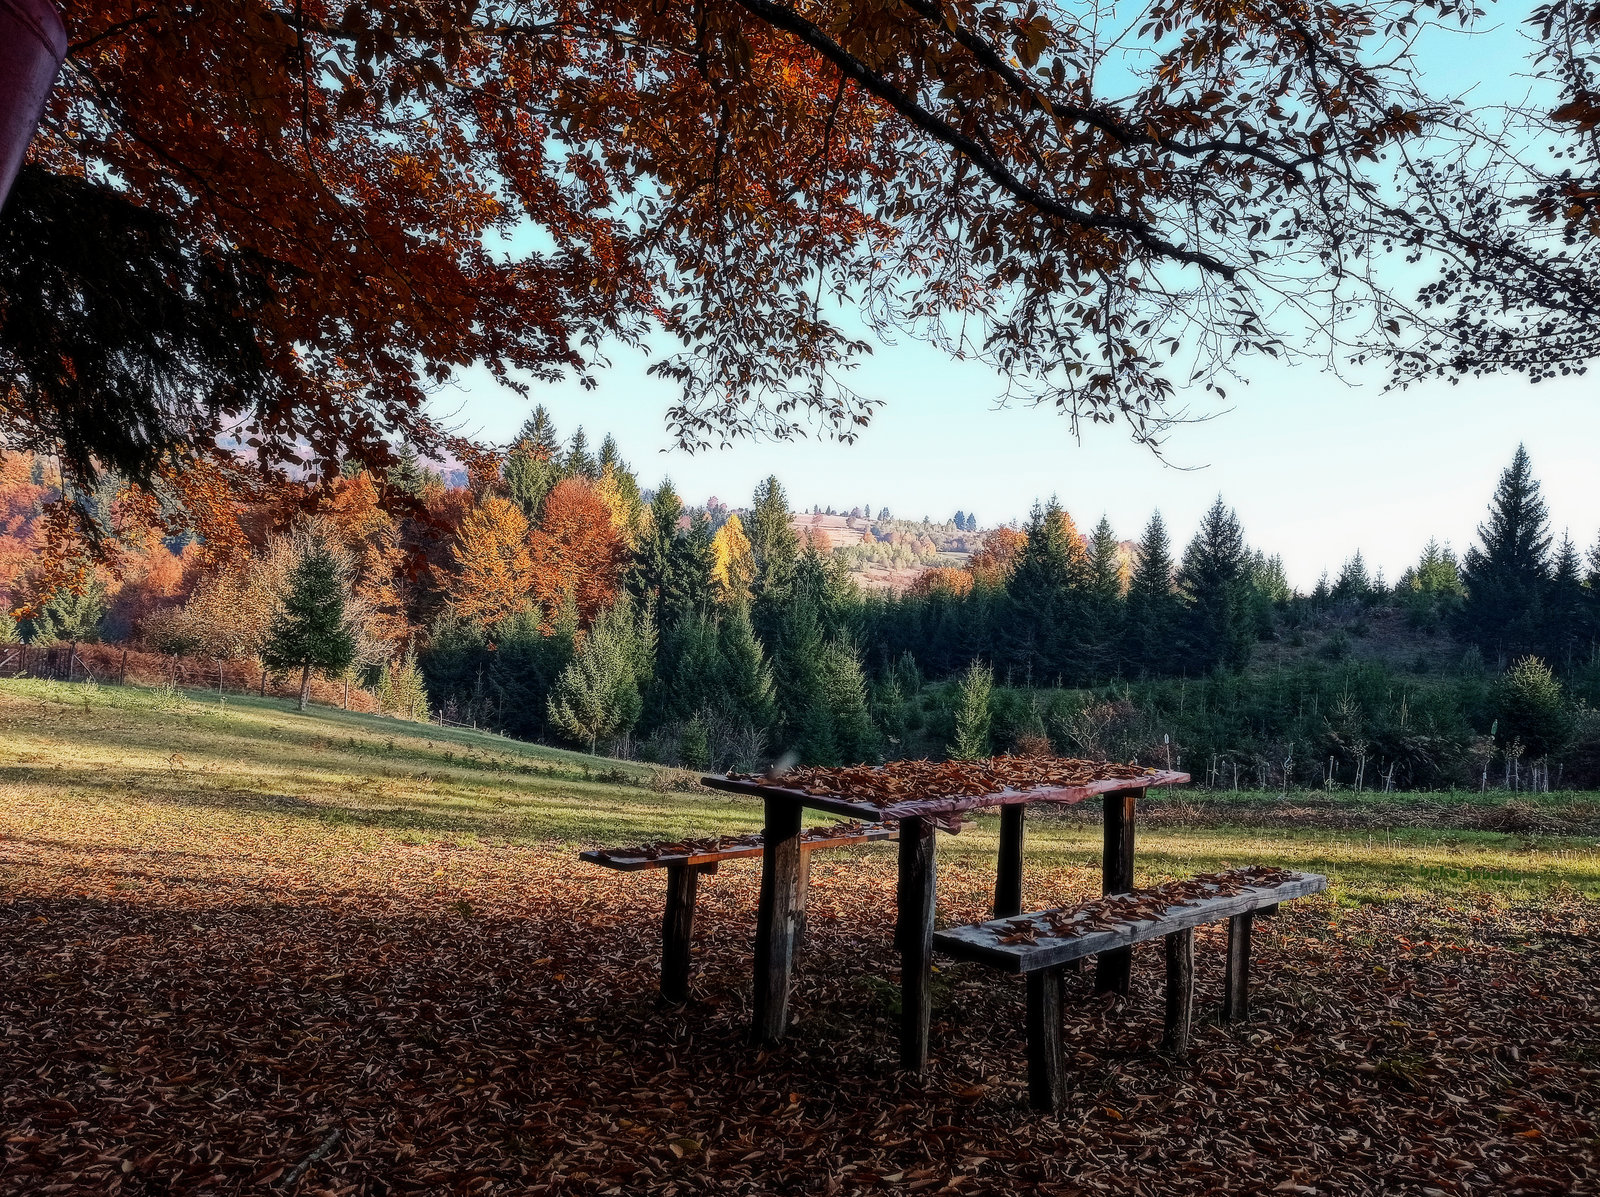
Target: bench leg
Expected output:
[917,879]
[1047,1077]
[1114,969]
[677,930]
[801,923]
[1180,992]
[1008,874]
[780,880]
[1236,984]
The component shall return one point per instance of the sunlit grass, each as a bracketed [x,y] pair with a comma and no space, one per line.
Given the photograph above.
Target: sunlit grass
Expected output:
[103,765]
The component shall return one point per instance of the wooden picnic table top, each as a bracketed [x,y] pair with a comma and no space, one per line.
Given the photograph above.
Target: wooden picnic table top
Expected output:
[937,805]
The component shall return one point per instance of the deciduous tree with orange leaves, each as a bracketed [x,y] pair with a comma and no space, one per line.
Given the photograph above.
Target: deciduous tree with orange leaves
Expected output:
[575,550]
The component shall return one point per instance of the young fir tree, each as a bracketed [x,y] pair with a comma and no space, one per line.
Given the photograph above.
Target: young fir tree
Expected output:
[1354,584]
[1531,710]
[1151,629]
[597,695]
[611,455]
[1214,579]
[1047,592]
[1508,574]
[1566,632]
[653,559]
[971,741]
[401,690]
[1105,607]
[538,432]
[407,475]
[854,735]
[309,630]
[773,543]
[580,462]
[529,475]
[746,677]
[688,587]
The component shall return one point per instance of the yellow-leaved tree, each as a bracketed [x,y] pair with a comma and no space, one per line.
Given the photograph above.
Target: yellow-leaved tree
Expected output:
[492,574]
[735,567]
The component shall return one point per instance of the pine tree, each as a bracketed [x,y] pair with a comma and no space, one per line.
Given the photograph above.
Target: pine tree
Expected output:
[580,462]
[309,630]
[1531,709]
[407,475]
[1048,592]
[529,477]
[1566,633]
[748,694]
[1106,608]
[688,588]
[1507,575]
[773,543]
[1151,627]
[538,432]
[611,455]
[1214,580]
[853,734]
[1354,584]
[401,690]
[652,558]
[971,741]
[597,695]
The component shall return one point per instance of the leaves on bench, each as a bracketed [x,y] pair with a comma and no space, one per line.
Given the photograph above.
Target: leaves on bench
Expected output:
[904,780]
[1140,905]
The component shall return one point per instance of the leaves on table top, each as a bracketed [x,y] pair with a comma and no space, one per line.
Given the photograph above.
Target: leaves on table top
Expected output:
[1140,905]
[906,780]
[707,845]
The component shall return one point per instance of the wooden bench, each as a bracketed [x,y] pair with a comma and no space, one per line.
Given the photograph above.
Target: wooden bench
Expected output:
[686,860]
[1041,945]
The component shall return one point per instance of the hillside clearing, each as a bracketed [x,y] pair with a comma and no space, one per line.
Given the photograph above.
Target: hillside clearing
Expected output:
[233,929]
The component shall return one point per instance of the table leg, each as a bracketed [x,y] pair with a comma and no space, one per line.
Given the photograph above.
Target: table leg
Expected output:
[1008,874]
[916,904]
[1114,970]
[775,920]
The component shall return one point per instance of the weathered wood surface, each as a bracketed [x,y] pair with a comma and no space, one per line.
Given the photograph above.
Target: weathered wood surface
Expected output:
[981,941]
[775,922]
[935,805]
[1047,1071]
[677,931]
[918,882]
[1180,992]
[629,864]
[1008,871]
[1236,978]
[1113,971]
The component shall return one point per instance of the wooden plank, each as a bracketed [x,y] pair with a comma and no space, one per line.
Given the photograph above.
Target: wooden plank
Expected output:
[801,923]
[1113,971]
[942,805]
[629,864]
[916,907]
[1180,992]
[1236,980]
[1008,872]
[677,932]
[774,962]
[1047,1072]
[981,941]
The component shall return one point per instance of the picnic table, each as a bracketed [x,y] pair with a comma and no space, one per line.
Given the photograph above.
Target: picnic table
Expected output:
[919,818]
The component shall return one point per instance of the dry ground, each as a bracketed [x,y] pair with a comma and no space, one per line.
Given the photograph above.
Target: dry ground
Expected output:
[307,925]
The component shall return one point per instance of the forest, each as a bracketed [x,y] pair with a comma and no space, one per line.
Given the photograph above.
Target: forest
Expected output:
[547,595]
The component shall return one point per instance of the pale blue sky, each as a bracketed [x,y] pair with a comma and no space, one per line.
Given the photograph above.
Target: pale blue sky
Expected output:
[1317,465]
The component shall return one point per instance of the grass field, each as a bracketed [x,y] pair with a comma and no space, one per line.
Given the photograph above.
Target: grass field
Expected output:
[232,929]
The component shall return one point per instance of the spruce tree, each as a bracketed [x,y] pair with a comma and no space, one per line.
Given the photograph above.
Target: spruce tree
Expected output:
[773,542]
[971,741]
[688,586]
[748,694]
[1105,608]
[407,475]
[1047,592]
[538,432]
[1218,628]
[653,555]
[611,455]
[309,630]
[1150,637]
[529,476]
[580,462]
[1507,575]
[1354,584]
[401,690]
[854,735]
[1566,632]
[597,695]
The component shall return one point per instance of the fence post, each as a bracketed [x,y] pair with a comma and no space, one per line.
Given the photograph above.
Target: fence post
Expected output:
[72,658]
[122,673]
[263,681]
[347,694]
[219,676]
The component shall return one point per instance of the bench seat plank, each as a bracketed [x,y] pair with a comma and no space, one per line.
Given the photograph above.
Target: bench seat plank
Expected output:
[983,941]
[738,847]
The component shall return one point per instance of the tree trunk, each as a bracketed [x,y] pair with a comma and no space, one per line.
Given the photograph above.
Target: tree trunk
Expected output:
[305,686]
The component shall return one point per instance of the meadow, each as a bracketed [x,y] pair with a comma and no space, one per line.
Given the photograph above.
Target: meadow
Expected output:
[234,930]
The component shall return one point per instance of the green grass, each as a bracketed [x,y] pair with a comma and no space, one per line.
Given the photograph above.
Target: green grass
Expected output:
[89,763]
